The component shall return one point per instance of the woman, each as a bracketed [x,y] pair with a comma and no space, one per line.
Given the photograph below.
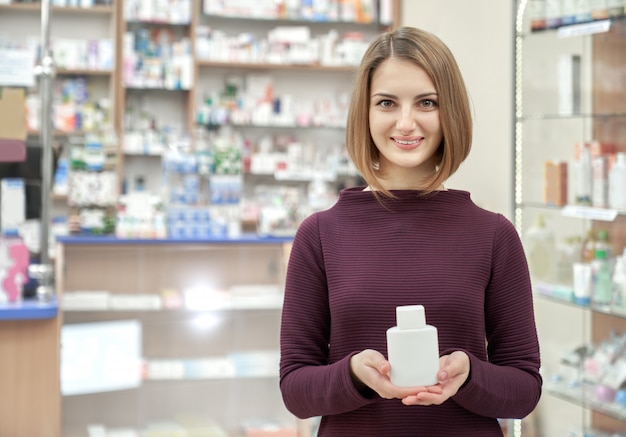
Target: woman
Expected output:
[405,239]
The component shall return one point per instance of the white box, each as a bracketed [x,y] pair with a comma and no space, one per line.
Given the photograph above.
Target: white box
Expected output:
[13,205]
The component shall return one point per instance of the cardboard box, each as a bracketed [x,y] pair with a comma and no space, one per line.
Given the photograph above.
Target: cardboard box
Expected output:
[12,114]
[555,183]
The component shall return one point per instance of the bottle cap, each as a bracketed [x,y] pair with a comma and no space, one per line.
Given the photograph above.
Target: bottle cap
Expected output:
[410,317]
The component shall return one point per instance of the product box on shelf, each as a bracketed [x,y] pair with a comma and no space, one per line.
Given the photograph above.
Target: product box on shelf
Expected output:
[12,114]
[12,205]
[555,183]
[12,125]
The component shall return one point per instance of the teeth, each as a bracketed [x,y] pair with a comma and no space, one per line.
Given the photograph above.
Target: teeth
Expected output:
[406,142]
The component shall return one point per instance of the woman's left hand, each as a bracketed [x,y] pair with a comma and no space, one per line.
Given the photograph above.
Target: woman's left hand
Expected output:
[453,372]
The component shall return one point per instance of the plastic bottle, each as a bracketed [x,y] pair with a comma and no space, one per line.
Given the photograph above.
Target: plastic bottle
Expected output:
[617,183]
[589,247]
[603,242]
[619,286]
[569,252]
[541,251]
[537,13]
[583,175]
[602,281]
[413,348]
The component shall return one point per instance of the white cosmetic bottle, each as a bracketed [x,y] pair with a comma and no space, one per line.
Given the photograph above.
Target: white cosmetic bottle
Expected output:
[413,348]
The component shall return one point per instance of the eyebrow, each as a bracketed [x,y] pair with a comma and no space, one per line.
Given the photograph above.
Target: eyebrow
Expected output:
[417,97]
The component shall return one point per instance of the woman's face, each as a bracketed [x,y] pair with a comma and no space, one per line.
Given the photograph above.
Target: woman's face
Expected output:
[404,123]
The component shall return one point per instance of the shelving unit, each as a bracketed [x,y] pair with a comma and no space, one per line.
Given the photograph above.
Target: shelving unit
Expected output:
[85,89]
[213,330]
[20,22]
[245,394]
[568,92]
[165,119]
[172,111]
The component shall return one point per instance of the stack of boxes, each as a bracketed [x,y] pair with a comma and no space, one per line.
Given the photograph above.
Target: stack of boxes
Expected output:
[12,149]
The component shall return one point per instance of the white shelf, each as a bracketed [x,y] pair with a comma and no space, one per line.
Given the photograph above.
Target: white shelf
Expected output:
[220,301]
[258,364]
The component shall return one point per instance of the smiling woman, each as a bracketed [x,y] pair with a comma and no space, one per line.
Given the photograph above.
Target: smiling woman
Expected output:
[404,124]
[401,240]
[435,66]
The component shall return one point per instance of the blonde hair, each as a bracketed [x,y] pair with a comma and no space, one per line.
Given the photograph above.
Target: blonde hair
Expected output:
[428,52]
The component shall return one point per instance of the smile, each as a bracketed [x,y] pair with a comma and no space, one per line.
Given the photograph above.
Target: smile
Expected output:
[406,143]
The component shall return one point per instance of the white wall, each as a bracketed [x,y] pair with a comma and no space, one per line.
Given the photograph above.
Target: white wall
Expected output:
[480,34]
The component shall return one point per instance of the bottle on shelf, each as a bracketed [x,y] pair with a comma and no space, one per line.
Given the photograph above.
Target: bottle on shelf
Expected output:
[603,242]
[602,279]
[568,253]
[617,183]
[589,246]
[541,251]
[618,298]
[583,175]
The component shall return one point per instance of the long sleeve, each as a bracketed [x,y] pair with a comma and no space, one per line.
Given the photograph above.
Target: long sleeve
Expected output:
[310,385]
[509,385]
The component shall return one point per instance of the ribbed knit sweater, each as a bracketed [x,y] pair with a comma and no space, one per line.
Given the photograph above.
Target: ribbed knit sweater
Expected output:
[351,265]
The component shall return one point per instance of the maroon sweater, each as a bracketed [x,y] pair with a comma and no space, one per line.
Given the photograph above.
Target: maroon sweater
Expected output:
[350,266]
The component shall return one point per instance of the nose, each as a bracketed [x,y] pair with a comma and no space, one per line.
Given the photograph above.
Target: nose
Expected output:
[406,121]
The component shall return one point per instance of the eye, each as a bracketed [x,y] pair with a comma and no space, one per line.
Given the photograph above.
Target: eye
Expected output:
[428,104]
[385,103]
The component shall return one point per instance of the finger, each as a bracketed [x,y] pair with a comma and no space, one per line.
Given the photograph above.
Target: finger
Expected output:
[437,389]
[453,365]
[385,368]
[423,400]
[431,398]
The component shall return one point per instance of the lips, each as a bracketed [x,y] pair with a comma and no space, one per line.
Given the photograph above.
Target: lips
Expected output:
[407,143]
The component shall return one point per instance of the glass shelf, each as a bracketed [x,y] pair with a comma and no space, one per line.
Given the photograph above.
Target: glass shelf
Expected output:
[547,292]
[577,29]
[572,116]
[577,211]
[583,395]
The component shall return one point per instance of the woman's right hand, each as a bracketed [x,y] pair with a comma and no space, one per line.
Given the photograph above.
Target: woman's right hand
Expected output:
[369,368]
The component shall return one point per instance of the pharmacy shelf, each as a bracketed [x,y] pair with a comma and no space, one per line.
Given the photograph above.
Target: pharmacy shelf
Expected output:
[36,7]
[577,211]
[583,395]
[29,310]
[259,364]
[558,293]
[292,21]
[83,72]
[244,239]
[209,301]
[269,66]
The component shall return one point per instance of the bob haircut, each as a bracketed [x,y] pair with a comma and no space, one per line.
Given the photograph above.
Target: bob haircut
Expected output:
[428,52]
